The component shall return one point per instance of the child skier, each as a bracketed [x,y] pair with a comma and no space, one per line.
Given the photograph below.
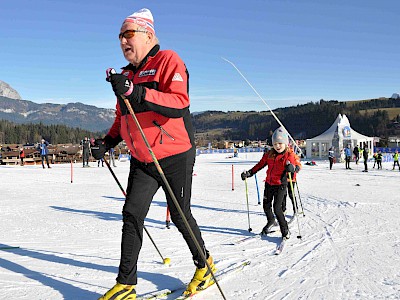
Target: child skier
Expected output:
[280,161]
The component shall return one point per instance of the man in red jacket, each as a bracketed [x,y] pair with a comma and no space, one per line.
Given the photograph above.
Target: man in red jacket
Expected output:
[156,84]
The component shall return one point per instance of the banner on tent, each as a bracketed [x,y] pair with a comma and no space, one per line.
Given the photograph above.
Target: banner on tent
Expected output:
[240,150]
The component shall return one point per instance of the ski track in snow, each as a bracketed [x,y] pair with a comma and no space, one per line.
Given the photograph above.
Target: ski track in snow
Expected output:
[69,234]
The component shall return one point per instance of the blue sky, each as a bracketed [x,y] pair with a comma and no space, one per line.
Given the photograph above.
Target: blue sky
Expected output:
[291,51]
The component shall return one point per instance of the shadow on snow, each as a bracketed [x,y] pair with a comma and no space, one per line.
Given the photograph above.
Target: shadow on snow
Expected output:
[68,290]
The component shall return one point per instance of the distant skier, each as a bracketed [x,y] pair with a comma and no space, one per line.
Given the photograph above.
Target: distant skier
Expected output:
[379,159]
[22,155]
[111,156]
[347,153]
[356,153]
[280,160]
[101,160]
[365,156]
[85,151]
[44,152]
[375,156]
[331,156]
[396,160]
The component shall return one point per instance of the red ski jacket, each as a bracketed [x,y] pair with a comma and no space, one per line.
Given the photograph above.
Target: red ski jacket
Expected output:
[276,163]
[163,113]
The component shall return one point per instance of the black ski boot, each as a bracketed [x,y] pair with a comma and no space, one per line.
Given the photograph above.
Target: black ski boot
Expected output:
[286,236]
[267,228]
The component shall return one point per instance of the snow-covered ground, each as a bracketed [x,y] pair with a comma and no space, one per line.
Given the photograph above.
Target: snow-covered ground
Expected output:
[68,234]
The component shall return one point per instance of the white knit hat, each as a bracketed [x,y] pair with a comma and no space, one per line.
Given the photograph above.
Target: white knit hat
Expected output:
[280,136]
[143,18]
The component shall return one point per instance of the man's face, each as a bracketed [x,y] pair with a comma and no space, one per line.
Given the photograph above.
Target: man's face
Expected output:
[136,47]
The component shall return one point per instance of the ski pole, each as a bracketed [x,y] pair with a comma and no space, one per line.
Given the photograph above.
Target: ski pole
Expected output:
[233,180]
[166,260]
[115,177]
[168,218]
[272,113]
[301,203]
[247,201]
[72,172]
[171,193]
[294,197]
[258,190]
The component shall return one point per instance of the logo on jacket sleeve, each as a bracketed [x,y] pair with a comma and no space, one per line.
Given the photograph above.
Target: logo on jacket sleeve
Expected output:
[150,72]
[177,77]
[128,73]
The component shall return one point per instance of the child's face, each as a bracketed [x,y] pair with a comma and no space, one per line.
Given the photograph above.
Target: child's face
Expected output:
[279,147]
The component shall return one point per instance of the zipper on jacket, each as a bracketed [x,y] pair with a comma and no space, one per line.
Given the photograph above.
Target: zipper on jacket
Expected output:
[162,130]
[129,132]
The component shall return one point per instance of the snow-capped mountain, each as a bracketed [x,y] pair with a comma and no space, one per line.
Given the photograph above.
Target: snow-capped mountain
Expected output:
[89,117]
[72,114]
[7,91]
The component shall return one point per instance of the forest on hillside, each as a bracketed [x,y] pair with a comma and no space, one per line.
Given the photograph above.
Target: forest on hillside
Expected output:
[12,133]
[375,117]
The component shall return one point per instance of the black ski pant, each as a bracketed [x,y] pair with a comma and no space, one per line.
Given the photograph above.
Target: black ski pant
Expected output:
[111,159]
[396,162]
[44,157]
[366,164]
[273,197]
[85,157]
[330,163]
[348,158]
[143,182]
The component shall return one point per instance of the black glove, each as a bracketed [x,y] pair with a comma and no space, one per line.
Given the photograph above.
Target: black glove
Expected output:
[284,178]
[121,84]
[297,169]
[111,142]
[289,167]
[246,174]
[98,148]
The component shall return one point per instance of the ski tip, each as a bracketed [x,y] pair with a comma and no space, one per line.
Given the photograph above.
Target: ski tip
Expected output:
[246,263]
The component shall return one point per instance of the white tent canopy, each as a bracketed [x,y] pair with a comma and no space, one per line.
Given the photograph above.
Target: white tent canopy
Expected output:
[339,135]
